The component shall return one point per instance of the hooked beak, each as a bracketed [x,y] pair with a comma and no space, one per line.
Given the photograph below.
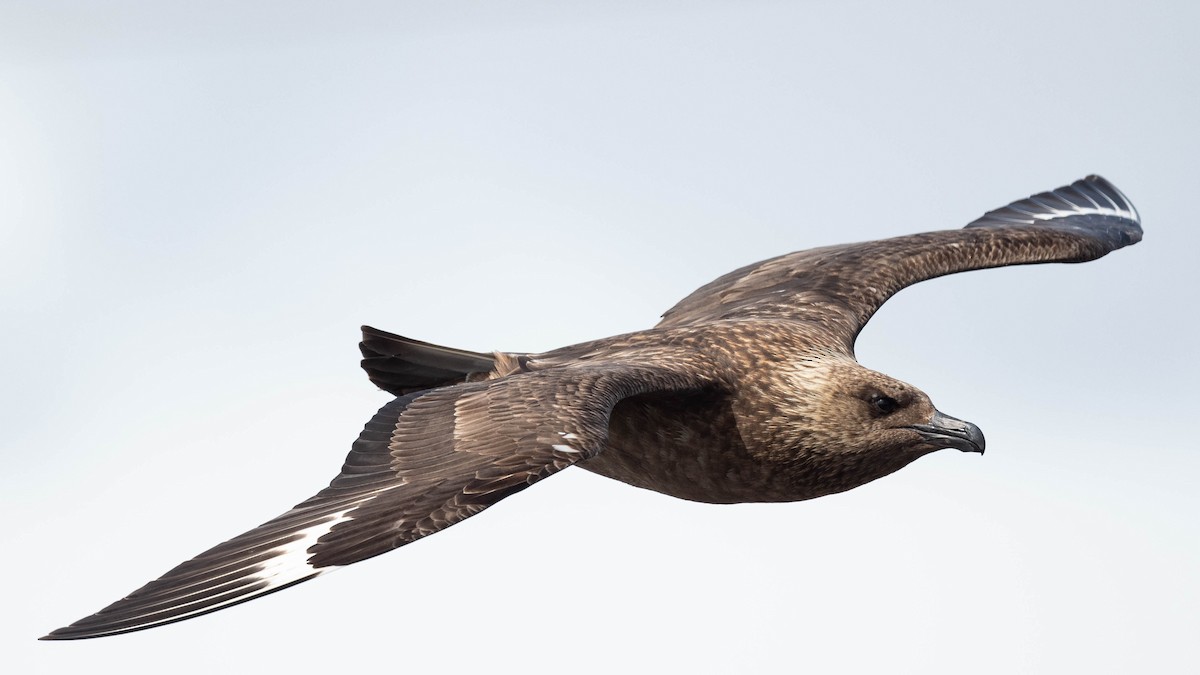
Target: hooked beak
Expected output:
[944,431]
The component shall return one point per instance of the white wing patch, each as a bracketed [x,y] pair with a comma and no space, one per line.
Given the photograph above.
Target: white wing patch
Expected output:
[289,562]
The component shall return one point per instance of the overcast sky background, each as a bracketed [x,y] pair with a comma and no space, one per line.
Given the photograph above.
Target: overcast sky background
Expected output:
[201,202]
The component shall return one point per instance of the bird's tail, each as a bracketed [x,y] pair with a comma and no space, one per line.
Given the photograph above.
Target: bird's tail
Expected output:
[401,365]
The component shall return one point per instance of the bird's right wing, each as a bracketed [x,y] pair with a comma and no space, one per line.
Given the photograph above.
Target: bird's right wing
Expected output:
[841,287]
[424,462]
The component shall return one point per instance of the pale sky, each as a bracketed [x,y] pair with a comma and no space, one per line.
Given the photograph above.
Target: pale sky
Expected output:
[201,202]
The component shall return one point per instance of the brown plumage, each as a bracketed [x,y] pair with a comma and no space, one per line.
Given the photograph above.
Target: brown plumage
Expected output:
[747,390]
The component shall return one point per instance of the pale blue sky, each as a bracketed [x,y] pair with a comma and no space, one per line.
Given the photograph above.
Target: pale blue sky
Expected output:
[201,202]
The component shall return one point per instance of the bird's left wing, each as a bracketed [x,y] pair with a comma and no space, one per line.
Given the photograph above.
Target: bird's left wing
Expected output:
[424,462]
[840,287]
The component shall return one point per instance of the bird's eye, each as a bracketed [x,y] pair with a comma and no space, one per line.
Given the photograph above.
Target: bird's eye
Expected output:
[884,405]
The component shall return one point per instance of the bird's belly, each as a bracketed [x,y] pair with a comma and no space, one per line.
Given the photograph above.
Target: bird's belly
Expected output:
[688,448]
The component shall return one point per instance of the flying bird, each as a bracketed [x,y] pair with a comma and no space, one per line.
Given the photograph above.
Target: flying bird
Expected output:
[747,391]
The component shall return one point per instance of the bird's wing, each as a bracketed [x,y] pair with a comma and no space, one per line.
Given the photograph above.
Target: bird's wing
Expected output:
[424,462]
[841,287]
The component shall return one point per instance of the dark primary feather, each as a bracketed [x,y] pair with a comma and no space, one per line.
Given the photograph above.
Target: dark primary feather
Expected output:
[234,571]
[689,402]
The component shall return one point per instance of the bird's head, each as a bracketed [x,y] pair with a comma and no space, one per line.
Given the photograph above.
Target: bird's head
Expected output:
[839,425]
[869,412]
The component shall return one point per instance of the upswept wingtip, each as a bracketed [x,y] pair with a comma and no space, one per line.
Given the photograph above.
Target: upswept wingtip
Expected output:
[1092,205]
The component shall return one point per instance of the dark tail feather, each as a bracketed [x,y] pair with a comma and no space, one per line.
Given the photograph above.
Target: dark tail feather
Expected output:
[400,365]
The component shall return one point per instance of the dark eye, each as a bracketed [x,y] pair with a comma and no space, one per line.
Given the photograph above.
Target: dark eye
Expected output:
[884,405]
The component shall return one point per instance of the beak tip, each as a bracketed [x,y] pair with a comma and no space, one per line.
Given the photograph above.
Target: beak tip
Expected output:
[949,432]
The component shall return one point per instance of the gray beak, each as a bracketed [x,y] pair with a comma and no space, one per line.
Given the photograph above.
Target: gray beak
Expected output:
[944,431]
